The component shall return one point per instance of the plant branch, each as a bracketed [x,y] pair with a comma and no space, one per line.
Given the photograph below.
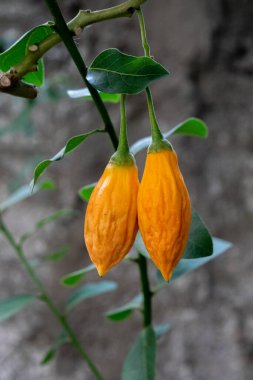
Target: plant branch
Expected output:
[75,26]
[44,296]
[68,41]
[147,294]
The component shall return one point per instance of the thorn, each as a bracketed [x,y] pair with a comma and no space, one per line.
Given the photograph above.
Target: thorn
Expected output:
[33,48]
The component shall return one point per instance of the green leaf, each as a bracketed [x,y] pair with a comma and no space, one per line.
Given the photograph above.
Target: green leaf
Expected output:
[12,305]
[50,354]
[72,144]
[85,192]
[200,242]
[88,291]
[74,278]
[55,256]
[19,49]
[84,93]
[161,330]
[185,266]
[48,219]
[114,72]
[140,361]
[24,192]
[53,217]
[191,127]
[125,311]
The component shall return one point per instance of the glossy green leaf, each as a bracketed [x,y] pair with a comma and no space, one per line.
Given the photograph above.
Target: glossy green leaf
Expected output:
[191,127]
[12,305]
[126,310]
[200,242]
[185,266]
[84,93]
[52,351]
[114,72]
[18,50]
[74,278]
[85,192]
[161,330]
[24,192]
[37,77]
[72,144]
[88,291]
[140,361]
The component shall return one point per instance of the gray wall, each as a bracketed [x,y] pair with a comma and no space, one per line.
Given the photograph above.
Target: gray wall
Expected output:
[207,46]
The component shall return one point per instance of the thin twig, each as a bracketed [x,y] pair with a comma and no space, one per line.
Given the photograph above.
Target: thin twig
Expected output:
[44,296]
[67,39]
[76,25]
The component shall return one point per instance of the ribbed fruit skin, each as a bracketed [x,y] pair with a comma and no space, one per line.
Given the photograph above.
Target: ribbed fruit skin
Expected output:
[164,210]
[111,217]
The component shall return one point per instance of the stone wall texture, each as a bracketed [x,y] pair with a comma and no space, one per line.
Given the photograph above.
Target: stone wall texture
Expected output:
[208,47]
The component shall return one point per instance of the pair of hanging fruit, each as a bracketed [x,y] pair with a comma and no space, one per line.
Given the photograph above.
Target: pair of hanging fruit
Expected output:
[159,206]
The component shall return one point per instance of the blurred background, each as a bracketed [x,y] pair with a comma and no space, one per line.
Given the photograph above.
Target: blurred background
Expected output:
[208,47]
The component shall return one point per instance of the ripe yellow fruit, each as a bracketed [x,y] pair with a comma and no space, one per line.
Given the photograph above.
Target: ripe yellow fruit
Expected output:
[111,216]
[164,210]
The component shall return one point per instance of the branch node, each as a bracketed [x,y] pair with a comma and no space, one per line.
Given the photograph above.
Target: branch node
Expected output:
[34,67]
[78,31]
[131,11]
[4,81]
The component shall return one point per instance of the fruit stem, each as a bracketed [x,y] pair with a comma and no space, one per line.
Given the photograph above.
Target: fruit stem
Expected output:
[158,142]
[123,155]
[123,146]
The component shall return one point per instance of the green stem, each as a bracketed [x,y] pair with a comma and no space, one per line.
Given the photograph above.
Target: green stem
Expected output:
[123,141]
[144,39]
[77,24]
[155,130]
[11,81]
[67,39]
[147,294]
[122,156]
[47,299]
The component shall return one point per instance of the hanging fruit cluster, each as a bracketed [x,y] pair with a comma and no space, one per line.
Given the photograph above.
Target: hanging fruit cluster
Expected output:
[159,206]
